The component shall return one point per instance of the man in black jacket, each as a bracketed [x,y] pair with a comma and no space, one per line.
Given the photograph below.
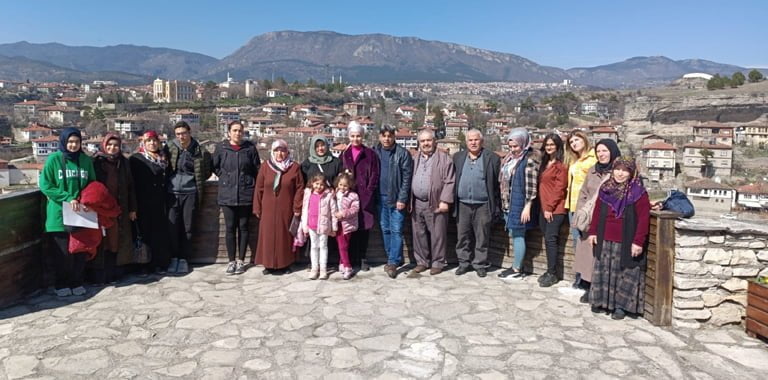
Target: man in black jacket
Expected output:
[189,167]
[394,192]
[477,202]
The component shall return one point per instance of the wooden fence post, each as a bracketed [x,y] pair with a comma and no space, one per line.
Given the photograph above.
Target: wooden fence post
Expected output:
[659,276]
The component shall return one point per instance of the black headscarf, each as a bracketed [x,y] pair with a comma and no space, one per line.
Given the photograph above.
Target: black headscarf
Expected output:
[615,153]
[64,137]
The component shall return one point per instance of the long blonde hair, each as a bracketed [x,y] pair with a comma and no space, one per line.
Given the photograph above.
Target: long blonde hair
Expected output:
[572,156]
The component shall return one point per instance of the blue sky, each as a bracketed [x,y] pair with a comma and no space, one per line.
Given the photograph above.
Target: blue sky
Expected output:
[556,33]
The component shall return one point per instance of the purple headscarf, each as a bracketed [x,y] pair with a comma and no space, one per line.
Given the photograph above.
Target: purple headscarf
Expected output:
[619,195]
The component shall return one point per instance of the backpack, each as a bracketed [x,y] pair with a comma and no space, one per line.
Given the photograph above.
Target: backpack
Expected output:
[678,202]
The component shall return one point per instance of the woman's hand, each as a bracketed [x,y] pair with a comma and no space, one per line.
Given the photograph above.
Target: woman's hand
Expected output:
[332,234]
[132,216]
[75,205]
[296,214]
[525,216]
[548,216]
[338,215]
[636,250]
[592,239]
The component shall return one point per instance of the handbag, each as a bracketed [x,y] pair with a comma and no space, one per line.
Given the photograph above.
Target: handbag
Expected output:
[141,252]
[294,227]
[678,202]
[582,217]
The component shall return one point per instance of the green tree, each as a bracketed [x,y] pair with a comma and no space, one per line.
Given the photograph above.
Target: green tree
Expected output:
[755,76]
[707,169]
[439,120]
[527,104]
[738,78]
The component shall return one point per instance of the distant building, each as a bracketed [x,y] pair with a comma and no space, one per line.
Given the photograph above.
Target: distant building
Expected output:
[713,133]
[44,146]
[35,131]
[173,91]
[354,109]
[709,195]
[659,160]
[594,107]
[406,138]
[130,125]
[59,115]
[755,135]
[251,88]
[188,116]
[721,159]
[455,127]
[449,146]
[28,109]
[754,196]
[224,116]
[406,111]
[273,93]
[70,102]
[650,139]
[275,109]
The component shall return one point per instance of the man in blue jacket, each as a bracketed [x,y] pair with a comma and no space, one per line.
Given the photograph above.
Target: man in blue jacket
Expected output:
[394,193]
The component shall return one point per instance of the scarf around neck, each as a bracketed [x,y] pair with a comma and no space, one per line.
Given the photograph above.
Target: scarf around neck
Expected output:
[618,195]
[316,158]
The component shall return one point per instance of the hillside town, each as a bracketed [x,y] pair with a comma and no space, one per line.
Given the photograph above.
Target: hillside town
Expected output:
[704,157]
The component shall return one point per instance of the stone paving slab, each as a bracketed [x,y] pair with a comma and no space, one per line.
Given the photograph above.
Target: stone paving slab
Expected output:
[212,326]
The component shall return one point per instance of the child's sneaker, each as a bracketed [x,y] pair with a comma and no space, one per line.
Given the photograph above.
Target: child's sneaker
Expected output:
[347,273]
[323,275]
[313,274]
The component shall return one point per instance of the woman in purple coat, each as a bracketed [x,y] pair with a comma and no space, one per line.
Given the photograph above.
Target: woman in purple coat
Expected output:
[363,164]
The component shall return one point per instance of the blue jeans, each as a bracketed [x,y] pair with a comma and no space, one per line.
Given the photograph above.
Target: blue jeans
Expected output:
[391,220]
[518,245]
[574,231]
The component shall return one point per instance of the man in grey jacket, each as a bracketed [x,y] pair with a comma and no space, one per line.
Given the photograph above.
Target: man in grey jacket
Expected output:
[396,166]
[432,189]
[477,200]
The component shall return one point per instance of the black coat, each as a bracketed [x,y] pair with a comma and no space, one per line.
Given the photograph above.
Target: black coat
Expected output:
[149,183]
[237,170]
[330,170]
[400,174]
[492,168]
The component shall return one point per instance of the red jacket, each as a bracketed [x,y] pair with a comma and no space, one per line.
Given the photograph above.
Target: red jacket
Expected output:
[96,197]
[553,188]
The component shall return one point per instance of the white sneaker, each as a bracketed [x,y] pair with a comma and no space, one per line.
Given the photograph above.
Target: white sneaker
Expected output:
[183,267]
[173,266]
[64,292]
[78,291]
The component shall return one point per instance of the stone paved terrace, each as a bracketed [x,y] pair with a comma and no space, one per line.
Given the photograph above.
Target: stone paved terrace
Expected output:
[207,325]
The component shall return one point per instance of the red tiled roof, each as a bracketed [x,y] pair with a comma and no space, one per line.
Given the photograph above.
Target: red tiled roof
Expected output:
[659,145]
[604,130]
[58,108]
[704,144]
[36,127]
[32,103]
[706,183]
[755,188]
[46,139]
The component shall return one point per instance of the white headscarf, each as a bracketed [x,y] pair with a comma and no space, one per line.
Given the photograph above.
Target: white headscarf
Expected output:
[355,127]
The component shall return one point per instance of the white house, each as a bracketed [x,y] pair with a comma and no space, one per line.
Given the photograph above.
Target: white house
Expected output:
[35,131]
[406,138]
[44,146]
[188,116]
[721,158]
[709,195]
[754,196]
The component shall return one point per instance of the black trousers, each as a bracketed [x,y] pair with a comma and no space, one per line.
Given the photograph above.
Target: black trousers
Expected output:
[358,247]
[236,223]
[474,234]
[180,213]
[103,268]
[551,231]
[69,268]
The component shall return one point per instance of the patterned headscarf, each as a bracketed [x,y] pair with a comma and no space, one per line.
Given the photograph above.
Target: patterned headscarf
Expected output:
[279,167]
[619,195]
[158,158]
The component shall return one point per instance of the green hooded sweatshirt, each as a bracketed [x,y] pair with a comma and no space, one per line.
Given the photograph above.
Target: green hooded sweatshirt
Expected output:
[79,174]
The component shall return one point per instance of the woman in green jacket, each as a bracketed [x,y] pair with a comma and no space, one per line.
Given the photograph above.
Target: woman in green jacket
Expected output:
[64,175]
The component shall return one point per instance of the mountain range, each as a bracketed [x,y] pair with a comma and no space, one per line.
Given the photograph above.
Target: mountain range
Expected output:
[304,55]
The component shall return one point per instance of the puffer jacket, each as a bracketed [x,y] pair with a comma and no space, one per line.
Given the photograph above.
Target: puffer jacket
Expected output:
[96,197]
[326,220]
[237,172]
[349,205]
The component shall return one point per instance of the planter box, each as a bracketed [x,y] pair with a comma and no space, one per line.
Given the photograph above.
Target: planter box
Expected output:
[757,310]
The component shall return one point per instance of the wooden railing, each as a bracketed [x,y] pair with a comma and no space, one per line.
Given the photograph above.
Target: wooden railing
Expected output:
[22,244]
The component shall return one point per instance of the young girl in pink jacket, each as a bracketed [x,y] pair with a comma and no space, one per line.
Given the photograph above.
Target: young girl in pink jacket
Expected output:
[318,221]
[348,205]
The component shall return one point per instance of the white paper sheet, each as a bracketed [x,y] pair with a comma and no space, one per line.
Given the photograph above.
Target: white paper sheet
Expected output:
[86,219]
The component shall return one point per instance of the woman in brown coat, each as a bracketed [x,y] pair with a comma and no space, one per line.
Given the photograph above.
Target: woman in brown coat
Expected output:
[277,200]
[606,151]
[113,170]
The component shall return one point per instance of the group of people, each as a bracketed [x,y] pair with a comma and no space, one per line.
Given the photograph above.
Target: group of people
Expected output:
[158,189]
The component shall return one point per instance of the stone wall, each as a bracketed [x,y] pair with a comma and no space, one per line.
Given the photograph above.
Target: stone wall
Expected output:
[713,260]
